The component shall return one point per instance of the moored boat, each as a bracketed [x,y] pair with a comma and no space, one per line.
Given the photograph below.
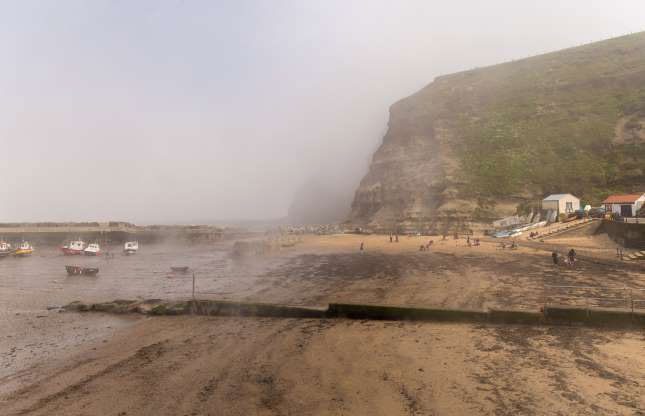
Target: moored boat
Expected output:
[92,249]
[179,269]
[74,247]
[5,249]
[131,247]
[81,271]
[24,249]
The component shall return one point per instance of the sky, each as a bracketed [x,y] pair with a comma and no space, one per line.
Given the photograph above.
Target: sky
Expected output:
[194,111]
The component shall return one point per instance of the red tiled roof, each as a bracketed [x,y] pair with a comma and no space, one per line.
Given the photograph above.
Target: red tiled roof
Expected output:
[622,199]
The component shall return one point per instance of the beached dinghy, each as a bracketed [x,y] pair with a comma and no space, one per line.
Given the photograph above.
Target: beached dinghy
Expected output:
[24,249]
[131,247]
[81,271]
[93,250]
[72,248]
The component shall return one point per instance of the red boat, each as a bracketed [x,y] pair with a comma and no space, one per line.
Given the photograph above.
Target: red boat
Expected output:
[72,248]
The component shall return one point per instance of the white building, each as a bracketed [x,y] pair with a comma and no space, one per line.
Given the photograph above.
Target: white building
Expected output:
[624,205]
[561,203]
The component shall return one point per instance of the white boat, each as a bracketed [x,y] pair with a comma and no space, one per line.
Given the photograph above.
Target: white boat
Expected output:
[73,247]
[92,249]
[5,249]
[131,247]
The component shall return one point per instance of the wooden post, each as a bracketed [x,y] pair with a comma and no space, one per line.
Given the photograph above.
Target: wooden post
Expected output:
[193,303]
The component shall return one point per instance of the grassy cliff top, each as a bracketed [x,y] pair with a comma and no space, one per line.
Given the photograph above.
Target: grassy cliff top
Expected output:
[568,121]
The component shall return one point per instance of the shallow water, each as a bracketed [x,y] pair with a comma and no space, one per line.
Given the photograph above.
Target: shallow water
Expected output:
[32,330]
[41,280]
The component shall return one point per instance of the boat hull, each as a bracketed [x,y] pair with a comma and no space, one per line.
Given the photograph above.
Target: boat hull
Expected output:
[81,271]
[23,252]
[71,252]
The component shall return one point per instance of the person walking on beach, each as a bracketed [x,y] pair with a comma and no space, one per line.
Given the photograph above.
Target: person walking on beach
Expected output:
[362,246]
[572,256]
[390,238]
[554,256]
[396,238]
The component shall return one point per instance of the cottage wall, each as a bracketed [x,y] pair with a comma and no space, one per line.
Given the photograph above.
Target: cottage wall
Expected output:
[546,205]
[616,208]
[575,204]
[560,206]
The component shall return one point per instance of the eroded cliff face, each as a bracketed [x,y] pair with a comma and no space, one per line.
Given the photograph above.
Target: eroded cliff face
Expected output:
[490,142]
[408,179]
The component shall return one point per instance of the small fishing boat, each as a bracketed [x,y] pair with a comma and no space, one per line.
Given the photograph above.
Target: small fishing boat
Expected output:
[92,249]
[5,249]
[179,269]
[72,248]
[131,247]
[81,271]
[24,249]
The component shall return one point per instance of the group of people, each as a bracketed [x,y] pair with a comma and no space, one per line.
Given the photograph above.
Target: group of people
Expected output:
[394,238]
[619,253]
[511,246]
[426,247]
[475,242]
[569,260]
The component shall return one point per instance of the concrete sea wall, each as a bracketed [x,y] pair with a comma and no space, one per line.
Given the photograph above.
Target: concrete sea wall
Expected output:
[627,234]
[551,315]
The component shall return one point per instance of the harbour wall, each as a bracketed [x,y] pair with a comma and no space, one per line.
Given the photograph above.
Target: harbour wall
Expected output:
[54,234]
[627,234]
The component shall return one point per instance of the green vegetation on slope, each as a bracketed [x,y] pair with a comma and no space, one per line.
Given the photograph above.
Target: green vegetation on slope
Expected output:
[549,123]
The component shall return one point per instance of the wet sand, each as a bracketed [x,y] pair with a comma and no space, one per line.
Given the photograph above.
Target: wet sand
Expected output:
[198,365]
[242,366]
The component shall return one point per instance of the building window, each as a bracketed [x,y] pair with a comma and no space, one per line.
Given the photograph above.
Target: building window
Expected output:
[569,207]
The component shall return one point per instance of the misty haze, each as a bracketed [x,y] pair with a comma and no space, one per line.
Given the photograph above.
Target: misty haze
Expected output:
[322,208]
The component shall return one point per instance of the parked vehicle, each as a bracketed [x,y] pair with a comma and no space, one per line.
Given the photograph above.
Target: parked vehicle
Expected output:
[597,212]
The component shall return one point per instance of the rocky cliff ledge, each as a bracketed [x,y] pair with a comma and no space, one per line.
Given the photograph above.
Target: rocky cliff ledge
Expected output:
[490,142]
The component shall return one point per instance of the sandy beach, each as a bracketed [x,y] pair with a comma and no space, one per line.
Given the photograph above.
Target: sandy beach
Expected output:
[272,366]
